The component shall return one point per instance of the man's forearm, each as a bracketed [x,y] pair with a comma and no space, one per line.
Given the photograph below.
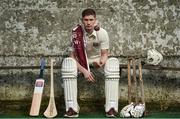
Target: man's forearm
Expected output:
[104,56]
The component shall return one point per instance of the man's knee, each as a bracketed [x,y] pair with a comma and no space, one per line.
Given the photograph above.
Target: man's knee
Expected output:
[112,68]
[69,68]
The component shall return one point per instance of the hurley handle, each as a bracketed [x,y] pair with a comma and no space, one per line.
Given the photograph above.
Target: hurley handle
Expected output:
[52,79]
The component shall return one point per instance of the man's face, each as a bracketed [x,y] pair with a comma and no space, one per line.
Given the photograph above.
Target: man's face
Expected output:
[89,22]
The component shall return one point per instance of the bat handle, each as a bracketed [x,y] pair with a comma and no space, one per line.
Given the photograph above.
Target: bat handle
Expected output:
[42,63]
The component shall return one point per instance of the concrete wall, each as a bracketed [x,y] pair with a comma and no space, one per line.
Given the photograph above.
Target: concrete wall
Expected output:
[30,29]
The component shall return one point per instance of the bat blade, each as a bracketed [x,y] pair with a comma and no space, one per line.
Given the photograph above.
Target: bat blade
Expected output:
[38,91]
[37,96]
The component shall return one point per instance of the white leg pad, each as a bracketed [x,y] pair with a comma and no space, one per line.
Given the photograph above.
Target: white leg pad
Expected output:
[112,84]
[69,76]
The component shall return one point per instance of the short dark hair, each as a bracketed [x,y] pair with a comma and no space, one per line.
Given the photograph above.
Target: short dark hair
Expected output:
[88,12]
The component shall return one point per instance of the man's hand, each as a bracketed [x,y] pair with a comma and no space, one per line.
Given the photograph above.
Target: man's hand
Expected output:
[89,76]
[98,64]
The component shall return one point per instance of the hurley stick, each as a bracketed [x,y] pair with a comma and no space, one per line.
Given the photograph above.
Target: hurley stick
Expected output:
[51,110]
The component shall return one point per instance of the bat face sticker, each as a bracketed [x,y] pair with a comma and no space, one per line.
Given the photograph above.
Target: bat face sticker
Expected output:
[39,84]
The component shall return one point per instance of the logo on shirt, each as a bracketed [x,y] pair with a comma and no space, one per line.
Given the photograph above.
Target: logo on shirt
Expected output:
[76,42]
[74,35]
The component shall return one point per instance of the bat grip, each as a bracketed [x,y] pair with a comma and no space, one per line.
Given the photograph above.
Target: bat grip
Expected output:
[42,63]
[42,68]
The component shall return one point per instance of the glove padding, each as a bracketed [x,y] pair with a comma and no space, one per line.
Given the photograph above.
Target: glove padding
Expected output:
[133,110]
[138,110]
[125,112]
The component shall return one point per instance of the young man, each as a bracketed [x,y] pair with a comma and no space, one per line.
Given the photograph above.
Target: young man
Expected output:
[90,45]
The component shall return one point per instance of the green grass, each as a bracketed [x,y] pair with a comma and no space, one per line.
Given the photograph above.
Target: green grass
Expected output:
[88,110]
[18,114]
[164,115]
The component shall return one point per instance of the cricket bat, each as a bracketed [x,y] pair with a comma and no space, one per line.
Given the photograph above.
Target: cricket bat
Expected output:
[38,91]
[51,110]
